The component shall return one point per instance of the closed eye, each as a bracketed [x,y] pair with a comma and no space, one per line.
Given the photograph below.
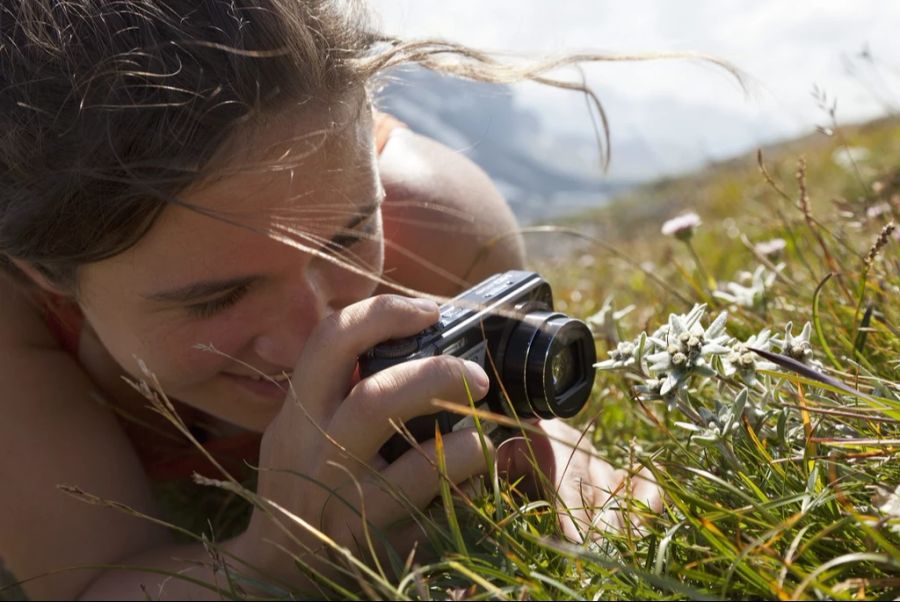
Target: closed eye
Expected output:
[365,231]
[208,309]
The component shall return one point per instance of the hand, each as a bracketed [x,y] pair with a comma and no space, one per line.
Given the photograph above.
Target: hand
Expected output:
[591,496]
[323,445]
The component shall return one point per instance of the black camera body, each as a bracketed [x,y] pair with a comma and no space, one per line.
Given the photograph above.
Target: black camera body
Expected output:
[541,359]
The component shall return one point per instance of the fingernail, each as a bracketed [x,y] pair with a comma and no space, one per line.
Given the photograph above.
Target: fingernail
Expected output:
[476,374]
[425,305]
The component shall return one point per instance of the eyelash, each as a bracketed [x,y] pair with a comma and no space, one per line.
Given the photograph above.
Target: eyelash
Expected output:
[210,308]
[348,240]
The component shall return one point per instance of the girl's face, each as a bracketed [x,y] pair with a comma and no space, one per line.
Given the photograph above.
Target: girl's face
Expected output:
[198,280]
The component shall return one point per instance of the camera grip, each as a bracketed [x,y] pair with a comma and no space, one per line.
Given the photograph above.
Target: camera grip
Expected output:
[422,429]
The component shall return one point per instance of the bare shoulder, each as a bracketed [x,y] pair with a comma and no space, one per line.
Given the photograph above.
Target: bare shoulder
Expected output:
[446,224]
[20,317]
[54,433]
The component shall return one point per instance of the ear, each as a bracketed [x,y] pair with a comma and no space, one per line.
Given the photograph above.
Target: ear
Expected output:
[37,277]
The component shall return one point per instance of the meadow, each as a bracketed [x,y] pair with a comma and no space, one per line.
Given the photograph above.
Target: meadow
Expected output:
[747,321]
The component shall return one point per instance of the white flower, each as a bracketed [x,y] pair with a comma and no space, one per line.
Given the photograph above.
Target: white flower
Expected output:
[744,362]
[681,227]
[847,157]
[797,347]
[748,296]
[720,425]
[891,510]
[625,354]
[603,323]
[770,247]
[687,348]
[878,210]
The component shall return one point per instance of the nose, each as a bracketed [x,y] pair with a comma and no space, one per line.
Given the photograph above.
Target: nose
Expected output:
[289,325]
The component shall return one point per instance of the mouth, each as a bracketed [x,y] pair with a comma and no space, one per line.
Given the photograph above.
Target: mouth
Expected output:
[282,377]
[270,386]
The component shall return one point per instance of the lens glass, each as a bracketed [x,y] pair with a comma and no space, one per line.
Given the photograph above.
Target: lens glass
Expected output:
[563,369]
[548,365]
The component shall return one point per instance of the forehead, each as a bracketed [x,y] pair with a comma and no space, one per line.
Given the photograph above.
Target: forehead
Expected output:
[312,167]
[301,161]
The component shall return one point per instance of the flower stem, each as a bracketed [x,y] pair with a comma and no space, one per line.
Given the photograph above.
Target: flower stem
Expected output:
[708,282]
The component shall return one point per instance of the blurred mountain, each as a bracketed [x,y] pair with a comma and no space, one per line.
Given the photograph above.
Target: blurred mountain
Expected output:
[544,158]
[540,174]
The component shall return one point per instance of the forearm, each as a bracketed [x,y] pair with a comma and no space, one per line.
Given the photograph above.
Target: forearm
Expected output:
[185,572]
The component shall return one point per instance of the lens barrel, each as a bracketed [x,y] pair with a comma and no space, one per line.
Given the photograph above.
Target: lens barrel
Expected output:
[548,367]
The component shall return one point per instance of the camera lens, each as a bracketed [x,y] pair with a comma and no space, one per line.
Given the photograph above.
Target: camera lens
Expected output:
[563,369]
[548,367]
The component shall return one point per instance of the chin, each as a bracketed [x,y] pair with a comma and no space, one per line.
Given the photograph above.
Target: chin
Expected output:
[235,403]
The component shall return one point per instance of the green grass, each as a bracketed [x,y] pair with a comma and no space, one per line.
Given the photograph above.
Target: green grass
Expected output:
[794,513]
[775,474]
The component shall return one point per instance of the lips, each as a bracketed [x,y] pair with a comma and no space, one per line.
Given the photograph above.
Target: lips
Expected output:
[262,385]
[281,377]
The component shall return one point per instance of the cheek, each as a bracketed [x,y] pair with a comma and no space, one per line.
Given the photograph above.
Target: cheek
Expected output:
[211,346]
[351,287]
[172,352]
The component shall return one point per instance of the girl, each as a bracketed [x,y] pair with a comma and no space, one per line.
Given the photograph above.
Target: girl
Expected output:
[179,173]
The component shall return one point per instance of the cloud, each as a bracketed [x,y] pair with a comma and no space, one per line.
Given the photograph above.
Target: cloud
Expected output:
[785,49]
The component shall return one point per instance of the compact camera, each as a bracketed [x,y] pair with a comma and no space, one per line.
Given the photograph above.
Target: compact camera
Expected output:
[540,362]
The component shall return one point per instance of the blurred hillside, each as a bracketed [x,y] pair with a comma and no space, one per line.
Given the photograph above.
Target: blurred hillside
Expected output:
[729,195]
[547,164]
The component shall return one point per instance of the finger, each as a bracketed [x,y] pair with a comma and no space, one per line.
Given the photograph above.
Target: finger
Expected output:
[330,354]
[363,421]
[416,473]
[574,515]
[589,500]
[646,490]
[605,511]
[410,483]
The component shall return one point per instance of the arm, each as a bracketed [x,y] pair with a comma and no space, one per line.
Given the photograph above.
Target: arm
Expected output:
[53,433]
[446,225]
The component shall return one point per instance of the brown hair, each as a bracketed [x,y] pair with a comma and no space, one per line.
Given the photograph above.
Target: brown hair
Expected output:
[110,108]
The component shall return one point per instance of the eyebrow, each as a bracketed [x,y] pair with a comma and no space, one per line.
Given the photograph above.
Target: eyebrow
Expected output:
[209,288]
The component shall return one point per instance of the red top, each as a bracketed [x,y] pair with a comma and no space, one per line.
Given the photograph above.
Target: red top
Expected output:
[164,452]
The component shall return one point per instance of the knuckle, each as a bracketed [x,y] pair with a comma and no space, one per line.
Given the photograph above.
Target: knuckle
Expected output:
[446,369]
[335,320]
[331,324]
[479,444]
[472,445]
[388,304]
[373,397]
[380,384]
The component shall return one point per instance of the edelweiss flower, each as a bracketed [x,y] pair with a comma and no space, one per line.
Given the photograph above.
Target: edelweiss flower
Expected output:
[603,323]
[687,348]
[625,354]
[720,425]
[797,347]
[744,362]
[682,227]
[748,296]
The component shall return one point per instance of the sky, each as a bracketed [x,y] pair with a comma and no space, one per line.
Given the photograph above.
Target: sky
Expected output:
[689,107]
